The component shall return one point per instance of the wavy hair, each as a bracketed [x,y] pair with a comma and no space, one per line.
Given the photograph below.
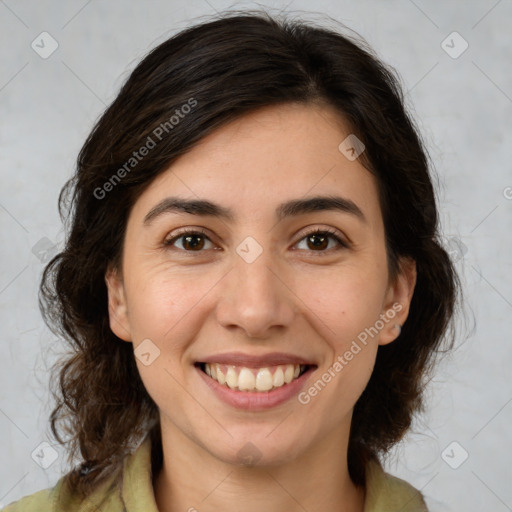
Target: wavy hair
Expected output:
[230,66]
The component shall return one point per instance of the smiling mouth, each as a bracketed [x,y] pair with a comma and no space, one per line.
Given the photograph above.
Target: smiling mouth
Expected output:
[258,380]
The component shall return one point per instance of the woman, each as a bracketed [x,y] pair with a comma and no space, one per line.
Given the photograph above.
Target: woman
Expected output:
[253,284]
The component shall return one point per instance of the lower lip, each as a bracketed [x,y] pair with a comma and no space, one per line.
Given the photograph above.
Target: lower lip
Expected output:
[256,400]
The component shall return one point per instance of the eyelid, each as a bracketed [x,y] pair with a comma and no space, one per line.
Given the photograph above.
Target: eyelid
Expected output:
[332,232]
[186,231]
[341,238]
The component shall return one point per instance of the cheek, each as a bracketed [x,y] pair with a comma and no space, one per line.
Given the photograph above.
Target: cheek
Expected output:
[161,308]
[345,300]
[346,312]
[159,302]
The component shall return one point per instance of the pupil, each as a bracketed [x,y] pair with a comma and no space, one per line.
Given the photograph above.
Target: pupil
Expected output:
[191,237]
[322,243]
[188,241]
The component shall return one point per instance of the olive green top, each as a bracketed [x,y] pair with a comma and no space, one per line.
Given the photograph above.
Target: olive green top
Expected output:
[134,491]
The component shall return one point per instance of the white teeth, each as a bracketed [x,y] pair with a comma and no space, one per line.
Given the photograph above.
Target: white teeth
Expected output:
[288,374]
[220,375]
[247,379]
[231,378]
[278,378]
[264,380]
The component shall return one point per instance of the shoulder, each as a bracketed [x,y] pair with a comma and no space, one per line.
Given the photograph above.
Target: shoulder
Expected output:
[128,486]
[61,498]
[39,501]
[387,492]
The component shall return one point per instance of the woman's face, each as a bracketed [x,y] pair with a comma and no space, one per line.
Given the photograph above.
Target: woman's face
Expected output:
[255,292]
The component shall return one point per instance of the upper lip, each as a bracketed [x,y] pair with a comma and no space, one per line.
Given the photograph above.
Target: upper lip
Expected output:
[252,361]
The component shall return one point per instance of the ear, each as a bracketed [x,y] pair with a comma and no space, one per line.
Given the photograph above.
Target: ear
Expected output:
[117,305]
[398,301]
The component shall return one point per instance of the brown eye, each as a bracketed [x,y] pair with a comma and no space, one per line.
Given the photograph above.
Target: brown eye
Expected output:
[318,240]
[192,241]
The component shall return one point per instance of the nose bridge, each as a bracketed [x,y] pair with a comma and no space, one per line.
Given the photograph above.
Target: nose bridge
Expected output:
[257,278]
[255,299]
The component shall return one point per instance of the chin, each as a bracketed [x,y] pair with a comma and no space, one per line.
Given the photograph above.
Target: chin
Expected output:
[256,451]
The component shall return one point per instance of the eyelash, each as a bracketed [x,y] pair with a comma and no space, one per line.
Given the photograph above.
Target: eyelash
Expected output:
[315,231]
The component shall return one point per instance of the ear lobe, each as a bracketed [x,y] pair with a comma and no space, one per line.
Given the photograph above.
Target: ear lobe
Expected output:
[398,300]
[117,305]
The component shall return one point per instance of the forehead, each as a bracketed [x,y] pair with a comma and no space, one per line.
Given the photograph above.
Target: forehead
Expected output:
[266,157]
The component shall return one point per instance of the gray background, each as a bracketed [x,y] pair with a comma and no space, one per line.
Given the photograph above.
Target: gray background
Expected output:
[463,106]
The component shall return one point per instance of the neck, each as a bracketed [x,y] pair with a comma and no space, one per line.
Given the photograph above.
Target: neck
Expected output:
[192,479]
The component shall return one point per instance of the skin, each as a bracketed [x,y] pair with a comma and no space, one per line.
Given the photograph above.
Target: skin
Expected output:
[192,303]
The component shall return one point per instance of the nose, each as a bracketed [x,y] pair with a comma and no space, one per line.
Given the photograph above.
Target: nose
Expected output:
[256,298]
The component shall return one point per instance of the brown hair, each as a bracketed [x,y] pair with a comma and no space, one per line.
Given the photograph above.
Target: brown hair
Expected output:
[223,69]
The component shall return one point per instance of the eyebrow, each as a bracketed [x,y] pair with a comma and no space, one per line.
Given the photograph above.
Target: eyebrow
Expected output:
[202,207]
